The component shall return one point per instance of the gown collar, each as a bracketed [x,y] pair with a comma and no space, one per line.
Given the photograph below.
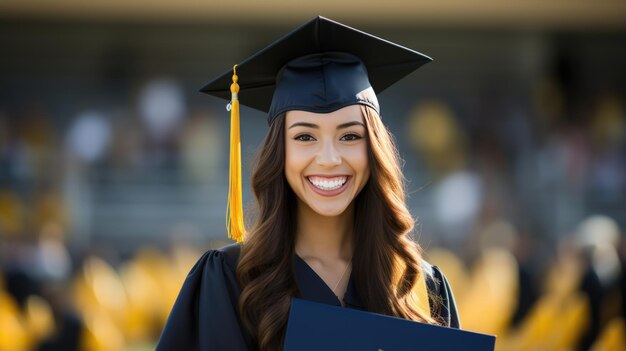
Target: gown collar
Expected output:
[313,288]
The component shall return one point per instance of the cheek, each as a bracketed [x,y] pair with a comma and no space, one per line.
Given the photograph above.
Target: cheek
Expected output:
[360,164]
[289,160]
[359,160]
[294,164]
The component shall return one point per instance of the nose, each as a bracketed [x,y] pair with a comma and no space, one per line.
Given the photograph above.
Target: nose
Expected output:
[328,155]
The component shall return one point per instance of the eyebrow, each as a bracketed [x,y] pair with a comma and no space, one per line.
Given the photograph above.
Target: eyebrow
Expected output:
[315,126]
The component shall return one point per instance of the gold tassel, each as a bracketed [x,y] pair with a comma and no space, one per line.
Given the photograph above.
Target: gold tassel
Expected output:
[234,212]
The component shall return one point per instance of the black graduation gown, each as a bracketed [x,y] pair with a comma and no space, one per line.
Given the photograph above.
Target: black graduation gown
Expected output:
[205,315]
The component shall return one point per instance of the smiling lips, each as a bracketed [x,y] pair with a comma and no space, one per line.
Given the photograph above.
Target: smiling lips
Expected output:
[327,185]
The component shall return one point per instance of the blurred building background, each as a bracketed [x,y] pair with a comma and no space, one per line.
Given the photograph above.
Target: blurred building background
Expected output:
[113,168]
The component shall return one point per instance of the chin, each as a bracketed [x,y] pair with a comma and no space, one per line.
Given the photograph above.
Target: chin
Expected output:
[329,211]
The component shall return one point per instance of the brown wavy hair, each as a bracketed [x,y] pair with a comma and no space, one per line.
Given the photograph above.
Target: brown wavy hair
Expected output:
[386,261]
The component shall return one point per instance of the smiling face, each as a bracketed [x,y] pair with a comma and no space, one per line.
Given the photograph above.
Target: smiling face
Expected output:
[326,162]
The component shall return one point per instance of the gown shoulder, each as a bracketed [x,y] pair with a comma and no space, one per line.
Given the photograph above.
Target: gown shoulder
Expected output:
[442,303]
[204,316]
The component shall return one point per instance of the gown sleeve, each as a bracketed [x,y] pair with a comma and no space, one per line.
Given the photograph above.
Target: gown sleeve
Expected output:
[204,316]
[443,306]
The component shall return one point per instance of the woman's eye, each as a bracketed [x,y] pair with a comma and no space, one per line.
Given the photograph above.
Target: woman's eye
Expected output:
[350,137]
[304,137]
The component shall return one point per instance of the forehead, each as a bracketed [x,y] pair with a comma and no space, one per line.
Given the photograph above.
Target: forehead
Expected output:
[347,114]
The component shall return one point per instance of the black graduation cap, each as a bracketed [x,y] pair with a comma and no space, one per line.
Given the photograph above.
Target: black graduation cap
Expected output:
[319,67]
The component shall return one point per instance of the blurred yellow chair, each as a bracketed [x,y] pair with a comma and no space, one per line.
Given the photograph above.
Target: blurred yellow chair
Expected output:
[555,323]
[128,308]
[544,328]
[101,299]
[165,274]
[99,286]
[38,317]
[100,332]
[13,333]
[564,275]
[491,295]
[536,327]
[572,321]
[152,281]
[144,306]
[612,337]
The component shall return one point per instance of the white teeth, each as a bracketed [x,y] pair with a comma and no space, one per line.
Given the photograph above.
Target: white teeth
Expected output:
[328,183]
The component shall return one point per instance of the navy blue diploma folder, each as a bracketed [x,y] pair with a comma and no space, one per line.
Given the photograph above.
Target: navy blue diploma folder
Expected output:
[315,326]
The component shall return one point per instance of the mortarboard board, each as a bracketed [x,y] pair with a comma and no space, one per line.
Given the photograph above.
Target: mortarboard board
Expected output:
[319,67]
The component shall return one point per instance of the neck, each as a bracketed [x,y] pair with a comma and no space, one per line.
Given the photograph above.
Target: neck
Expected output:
[324,237]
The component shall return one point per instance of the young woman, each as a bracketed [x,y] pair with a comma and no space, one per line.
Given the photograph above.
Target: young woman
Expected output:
[332,225]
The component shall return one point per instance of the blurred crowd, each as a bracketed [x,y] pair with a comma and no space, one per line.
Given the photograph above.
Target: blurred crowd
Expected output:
[60,288]
[524,210]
